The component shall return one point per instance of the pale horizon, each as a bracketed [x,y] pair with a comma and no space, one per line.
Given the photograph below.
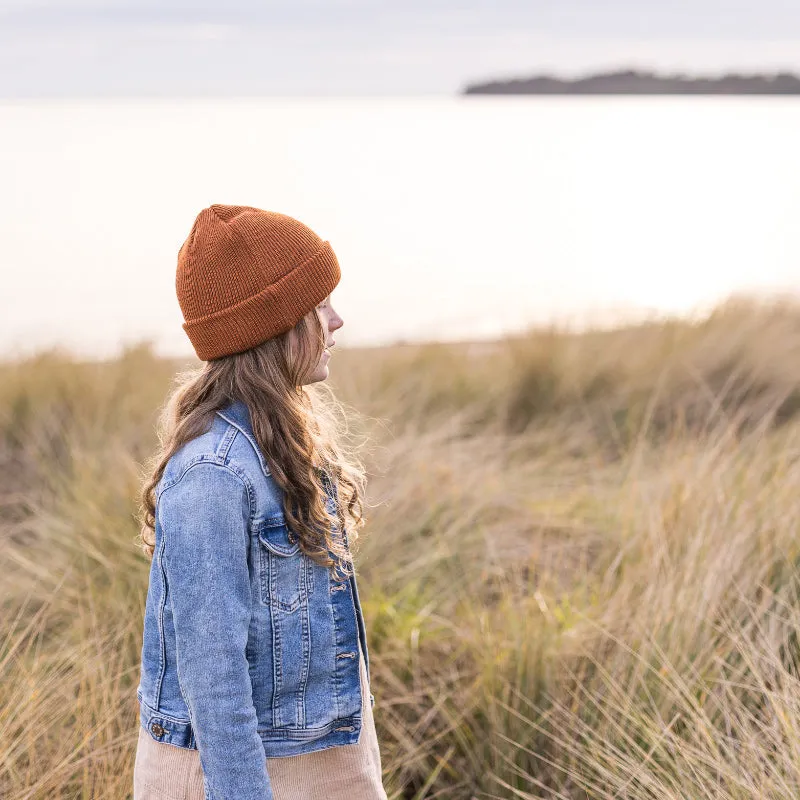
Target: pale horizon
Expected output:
[452,219]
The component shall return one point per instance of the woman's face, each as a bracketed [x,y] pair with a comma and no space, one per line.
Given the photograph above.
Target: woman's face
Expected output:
[331,322]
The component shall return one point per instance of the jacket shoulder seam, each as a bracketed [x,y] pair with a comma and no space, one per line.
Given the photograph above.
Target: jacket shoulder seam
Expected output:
[215,460]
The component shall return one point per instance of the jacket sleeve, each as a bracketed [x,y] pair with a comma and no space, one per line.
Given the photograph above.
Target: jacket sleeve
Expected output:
[204,519]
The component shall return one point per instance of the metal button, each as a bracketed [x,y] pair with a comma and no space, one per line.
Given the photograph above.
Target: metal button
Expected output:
[157,729]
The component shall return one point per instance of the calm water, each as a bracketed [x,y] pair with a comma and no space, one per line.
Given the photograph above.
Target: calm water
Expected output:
[462,217]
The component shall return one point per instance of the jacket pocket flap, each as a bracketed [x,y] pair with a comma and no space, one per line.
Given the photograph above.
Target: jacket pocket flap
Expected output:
[275,536]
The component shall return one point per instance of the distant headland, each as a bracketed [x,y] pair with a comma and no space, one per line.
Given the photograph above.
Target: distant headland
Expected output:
[642,82]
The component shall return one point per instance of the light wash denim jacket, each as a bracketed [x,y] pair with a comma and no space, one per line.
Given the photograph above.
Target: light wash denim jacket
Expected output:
[250,649]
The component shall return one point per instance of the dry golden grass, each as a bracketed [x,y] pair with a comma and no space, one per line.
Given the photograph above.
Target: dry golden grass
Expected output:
[580,569]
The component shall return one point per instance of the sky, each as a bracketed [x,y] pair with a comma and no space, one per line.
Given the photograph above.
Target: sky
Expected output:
[168,48]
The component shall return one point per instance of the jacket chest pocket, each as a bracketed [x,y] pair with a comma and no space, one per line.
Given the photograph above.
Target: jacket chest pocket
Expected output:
[286,580]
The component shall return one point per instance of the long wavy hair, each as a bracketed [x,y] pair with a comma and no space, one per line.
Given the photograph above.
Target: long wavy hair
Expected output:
[299,429]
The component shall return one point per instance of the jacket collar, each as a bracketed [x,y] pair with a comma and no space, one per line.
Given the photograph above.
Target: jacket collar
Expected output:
[237,414]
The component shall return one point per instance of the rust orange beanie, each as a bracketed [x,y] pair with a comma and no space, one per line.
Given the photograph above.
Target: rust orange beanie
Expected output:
[245,275]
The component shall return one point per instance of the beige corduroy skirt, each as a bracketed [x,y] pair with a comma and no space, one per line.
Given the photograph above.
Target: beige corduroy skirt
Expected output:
[347,772]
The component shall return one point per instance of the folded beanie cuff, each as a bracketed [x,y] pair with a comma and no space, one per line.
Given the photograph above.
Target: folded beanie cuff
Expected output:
[279,307]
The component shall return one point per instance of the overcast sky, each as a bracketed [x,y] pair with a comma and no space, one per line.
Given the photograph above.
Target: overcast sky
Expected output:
[357,47]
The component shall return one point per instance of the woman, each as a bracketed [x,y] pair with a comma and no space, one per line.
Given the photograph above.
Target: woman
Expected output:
[255,669]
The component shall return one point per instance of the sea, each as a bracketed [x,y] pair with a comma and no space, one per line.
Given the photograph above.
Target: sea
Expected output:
[453,218]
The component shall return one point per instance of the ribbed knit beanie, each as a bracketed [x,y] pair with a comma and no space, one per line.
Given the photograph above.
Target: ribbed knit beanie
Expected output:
[245,275]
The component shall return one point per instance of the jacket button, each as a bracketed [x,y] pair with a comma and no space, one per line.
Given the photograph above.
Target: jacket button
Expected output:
[157,729]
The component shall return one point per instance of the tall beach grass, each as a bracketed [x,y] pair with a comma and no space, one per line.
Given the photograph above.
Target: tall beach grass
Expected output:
[579,572]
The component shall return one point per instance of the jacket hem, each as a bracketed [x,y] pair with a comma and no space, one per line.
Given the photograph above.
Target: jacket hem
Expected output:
[277,742]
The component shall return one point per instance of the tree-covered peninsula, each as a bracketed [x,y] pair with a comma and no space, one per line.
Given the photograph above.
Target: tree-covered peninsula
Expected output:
[642,82]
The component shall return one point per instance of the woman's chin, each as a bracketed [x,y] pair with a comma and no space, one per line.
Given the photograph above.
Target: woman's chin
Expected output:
[319,374]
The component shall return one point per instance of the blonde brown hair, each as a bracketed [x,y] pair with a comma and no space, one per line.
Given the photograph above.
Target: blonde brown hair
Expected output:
[299,429]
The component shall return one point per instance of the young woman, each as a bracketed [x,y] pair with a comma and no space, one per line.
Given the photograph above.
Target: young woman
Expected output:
[255,669]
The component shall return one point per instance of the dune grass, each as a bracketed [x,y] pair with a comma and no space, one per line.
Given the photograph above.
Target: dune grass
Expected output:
[580,569]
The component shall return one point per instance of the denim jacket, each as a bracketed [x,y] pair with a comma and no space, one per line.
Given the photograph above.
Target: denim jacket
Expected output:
[250,648]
